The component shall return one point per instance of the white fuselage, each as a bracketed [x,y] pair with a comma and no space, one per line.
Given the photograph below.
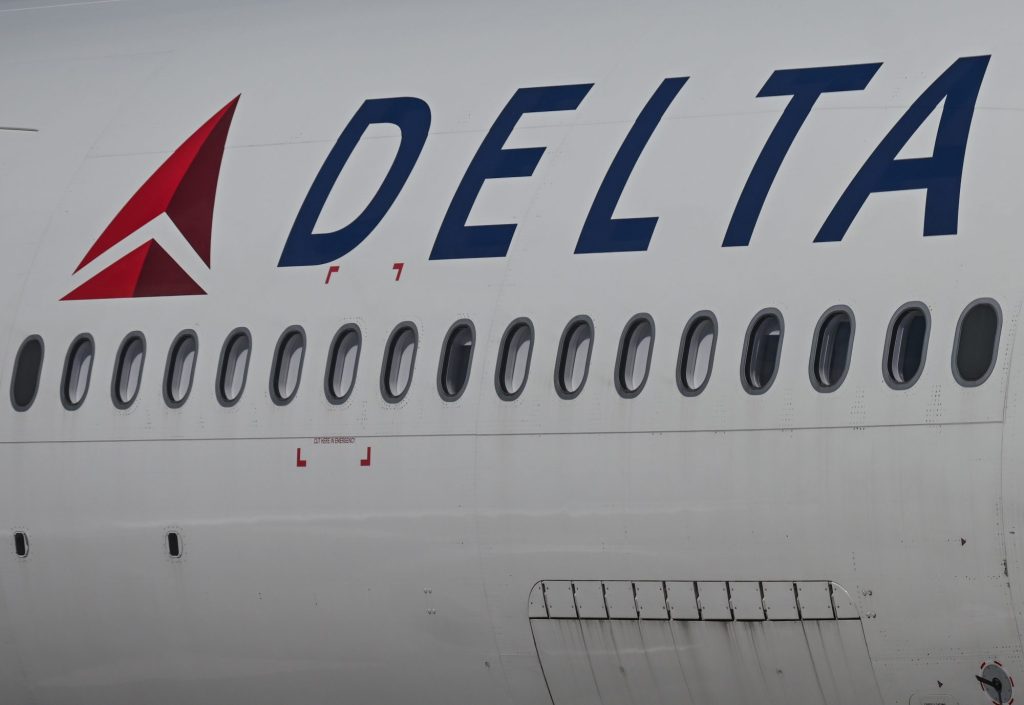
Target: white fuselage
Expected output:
[409,578]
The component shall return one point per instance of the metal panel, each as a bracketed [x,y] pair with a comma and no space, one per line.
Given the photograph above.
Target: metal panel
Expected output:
[662,655]
[781,651]
[650,599]
[538,609]
[618,595]
[713,599]
[841,661]
[590,599]
[746,601]
[559,599]
[692,662]
[842,602]
[563,654]
[682,600]
[701,647]
[780,600]
[719,663]
[618,658]
[815,600]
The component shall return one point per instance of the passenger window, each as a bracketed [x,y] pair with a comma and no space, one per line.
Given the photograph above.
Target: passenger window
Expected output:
[342,364]
[234,367]
[128,370]
[977,342]
[77,372]
[906,346]
[181,367]
[574,357]
[514,359]
[697,353]
[28,366]
[634,357]
[174,544]
[833,346]
[287,369]
[762,349]
[456,361]
[399,358]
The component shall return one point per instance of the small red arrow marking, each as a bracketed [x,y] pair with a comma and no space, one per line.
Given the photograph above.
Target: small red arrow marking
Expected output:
[333,269]
[398,267]
[365,462]
[299,460]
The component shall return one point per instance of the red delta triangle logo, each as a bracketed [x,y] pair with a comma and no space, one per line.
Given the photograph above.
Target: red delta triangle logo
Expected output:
[185,188]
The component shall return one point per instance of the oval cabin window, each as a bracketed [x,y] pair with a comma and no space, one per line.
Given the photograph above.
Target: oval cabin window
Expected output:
[234,367]
[28,365]
[287,370]
[697,354]
[400,356]
[906,347]
[456,361]
[977,343]
[514,359]
[128,370]
[574,358]
[77,372]
[762,349]
[634,358]
[832,349]
[181,367]
[342,363]
[174,544]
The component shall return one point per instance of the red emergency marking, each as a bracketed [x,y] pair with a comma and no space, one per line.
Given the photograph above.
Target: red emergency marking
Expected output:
[398,267]
[365,462]
[331,270]
[300,462]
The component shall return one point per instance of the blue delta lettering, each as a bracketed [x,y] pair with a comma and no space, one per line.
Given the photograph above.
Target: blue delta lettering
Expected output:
[939,175]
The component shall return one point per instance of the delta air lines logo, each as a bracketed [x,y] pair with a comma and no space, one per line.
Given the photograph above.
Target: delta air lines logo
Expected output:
[180,195]
[185,189]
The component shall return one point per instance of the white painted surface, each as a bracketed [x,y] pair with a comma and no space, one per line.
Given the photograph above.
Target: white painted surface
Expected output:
[409,580]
